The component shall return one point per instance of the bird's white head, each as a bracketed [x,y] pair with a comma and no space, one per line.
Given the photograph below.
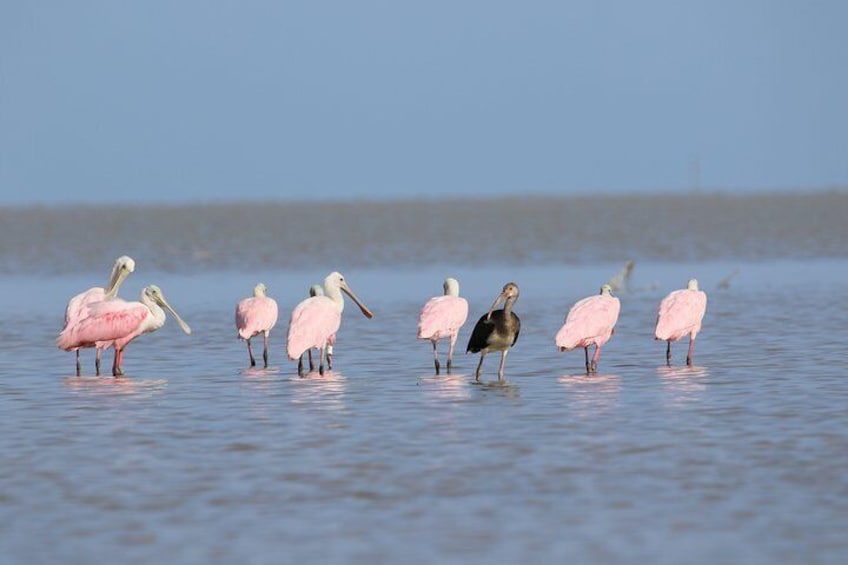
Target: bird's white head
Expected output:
[451,287]
[124,265]
[693,284]
[334,283]
[154,293]
[606,290]
[260,289]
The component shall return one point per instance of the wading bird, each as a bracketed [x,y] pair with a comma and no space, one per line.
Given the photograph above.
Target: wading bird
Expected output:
[256,315]
[317,290]
[497,330]
[680,314]
[442,317]
[78,306]
[120,322]
[317,319]
[591,321]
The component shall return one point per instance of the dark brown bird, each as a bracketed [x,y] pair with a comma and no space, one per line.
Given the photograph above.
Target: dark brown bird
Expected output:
[497,330]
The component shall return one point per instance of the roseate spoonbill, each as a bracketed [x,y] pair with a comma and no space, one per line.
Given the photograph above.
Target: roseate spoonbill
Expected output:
[497,330]
[254,316]
[317,319]
[591,321]
[120,322]
[78,306]
[317,290]
[679,315]
[441,317]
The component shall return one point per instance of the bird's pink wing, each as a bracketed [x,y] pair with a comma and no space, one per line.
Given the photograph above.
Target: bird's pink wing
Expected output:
[442,316]
[680,314]
[106,321]
[77,308]
[590,321]
[312,323]
[255,315]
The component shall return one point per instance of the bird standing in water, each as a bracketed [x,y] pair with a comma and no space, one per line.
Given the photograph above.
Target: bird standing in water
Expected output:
[78,306]
[680,314]
[497,330]
[442,317]
[591,321]
[317,319]
[256,315]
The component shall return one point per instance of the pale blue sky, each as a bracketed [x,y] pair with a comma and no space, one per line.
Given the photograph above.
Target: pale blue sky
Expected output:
[193,100]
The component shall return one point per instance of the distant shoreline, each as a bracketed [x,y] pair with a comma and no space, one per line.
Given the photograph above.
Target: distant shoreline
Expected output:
[741,193]
[516,230]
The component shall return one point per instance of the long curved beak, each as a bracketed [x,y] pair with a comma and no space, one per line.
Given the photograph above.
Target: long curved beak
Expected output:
[183,326]
[501,298]
[365,311]
[115,282]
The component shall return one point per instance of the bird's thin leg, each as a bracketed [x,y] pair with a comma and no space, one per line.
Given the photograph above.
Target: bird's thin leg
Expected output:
[450,351]
[321,362]
[479,366]
[668,354]
[311,364]
[265,351]
[300,364]
[588,367]
[97,357]
[117,369]
[250,352]
[79,364]
[435,356]
[691,353]
[501,366]
[329,357]
[595,358]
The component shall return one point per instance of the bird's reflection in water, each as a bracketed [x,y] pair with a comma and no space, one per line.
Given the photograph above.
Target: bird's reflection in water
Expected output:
[325,391]
[503,388]
[453,387]
[592,394]
[115,385]
[683,384]
[263,381]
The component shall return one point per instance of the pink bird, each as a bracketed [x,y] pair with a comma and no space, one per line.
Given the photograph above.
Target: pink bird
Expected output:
[679,315]
[120,322]
[442,317]
[315,321]
[590,321]
[78,306]
[254,316]
[317,290]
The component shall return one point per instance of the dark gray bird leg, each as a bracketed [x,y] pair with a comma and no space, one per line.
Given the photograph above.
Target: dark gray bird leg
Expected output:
[311,364]
[79,365]
[588,367]
[265,351]
[329,357]
[250,352]
[321,362]
[479,366]
[668,353]
[97,357]
[300,364]
[435,356]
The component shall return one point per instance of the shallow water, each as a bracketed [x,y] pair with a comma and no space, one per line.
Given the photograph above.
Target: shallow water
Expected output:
[193,458]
